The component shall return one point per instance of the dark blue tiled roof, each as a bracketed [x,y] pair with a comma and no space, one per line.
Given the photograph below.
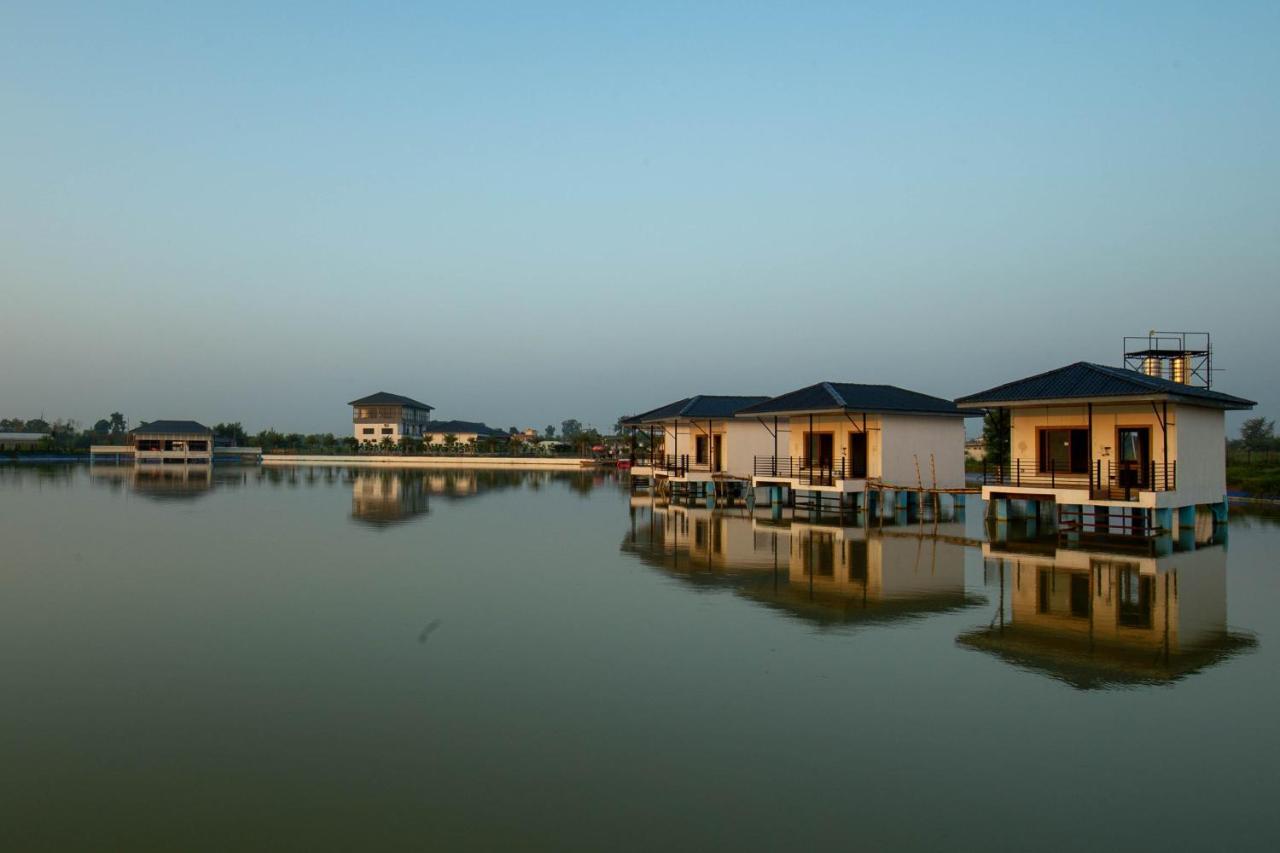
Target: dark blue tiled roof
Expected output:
[701,406]
[849,396]
[446,427]
[385,398]
[1085,380]
[170,428]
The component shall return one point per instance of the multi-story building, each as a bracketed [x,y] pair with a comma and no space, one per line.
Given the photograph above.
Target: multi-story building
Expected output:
[384,415]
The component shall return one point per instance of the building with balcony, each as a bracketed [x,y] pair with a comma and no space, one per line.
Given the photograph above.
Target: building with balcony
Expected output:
[384,415]
[696,441]
[839,440]
[1109,448]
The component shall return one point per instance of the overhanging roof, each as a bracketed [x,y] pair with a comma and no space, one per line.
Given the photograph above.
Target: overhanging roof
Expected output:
[693,408]
[1086,381]
[171,428]
[476,427]
[854,397]
[386,398]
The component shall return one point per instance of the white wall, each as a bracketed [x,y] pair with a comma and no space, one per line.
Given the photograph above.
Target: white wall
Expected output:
[745,439]
[1201,455]
[904,438]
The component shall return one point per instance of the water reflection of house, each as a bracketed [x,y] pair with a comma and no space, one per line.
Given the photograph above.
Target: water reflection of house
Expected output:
[1097,619]
[824,574]
[382,497]
[166,482]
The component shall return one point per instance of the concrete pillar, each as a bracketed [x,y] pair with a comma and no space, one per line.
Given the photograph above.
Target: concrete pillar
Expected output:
[1000,508]
[1187,520]
[1163,545]
[1164,519]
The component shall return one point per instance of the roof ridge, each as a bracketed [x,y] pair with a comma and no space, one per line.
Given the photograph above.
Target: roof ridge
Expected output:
[836,395]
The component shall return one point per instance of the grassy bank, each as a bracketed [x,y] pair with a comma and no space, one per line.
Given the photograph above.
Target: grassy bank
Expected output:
[1259,478]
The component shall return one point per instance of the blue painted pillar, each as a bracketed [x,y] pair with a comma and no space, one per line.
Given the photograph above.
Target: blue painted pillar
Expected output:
[1186,518]
[1000,508]
[1164,519]
[1219,512]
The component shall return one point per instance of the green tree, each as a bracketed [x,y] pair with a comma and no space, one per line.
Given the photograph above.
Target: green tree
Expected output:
[233,431]
[450,440]
[386,445]
[1258,434]
[102,426]
[570,429]
[36,425]
[995,436]
[119,425]
[550,431]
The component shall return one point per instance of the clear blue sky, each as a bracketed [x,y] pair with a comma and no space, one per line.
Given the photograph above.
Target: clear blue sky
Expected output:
[527,212]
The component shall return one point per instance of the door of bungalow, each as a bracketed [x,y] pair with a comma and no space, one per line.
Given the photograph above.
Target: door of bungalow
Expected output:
[1134,456]
[717,452]
[819,449]
[857,454]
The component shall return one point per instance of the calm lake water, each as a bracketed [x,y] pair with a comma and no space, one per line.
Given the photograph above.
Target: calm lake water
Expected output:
[316,659]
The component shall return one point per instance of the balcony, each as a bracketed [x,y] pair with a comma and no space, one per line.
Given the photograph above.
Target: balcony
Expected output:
[1106,479]
[807,472]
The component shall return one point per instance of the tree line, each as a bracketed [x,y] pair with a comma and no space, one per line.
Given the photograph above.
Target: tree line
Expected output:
[67,436]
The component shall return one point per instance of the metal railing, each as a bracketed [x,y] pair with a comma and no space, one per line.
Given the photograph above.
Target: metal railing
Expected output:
[1106,479]
[808,472]
[675,466]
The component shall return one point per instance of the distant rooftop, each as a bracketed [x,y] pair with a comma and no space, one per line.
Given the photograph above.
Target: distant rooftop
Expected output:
[1085,380]
[853,397]
[463,427]
[170,428]
[386,398]
[700,406]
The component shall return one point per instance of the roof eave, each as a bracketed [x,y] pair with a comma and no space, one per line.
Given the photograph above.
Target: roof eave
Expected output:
[1155,397]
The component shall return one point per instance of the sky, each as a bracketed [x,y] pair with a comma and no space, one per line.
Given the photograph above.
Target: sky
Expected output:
[521,213]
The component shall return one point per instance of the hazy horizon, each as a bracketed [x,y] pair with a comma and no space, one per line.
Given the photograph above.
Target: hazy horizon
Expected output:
[526,215]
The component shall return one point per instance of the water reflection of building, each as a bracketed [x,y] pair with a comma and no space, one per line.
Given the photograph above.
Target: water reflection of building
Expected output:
[1102,618]
[389,497]
[382,496]
[821,573]
[166,482]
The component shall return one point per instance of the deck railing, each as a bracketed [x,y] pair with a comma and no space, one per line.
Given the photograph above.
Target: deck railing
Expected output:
[1106,479]
[675,466]
[808,472]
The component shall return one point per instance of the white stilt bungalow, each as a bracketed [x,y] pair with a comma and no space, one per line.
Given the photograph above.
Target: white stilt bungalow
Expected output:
[1111,449]
[697,440]
[839,439]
